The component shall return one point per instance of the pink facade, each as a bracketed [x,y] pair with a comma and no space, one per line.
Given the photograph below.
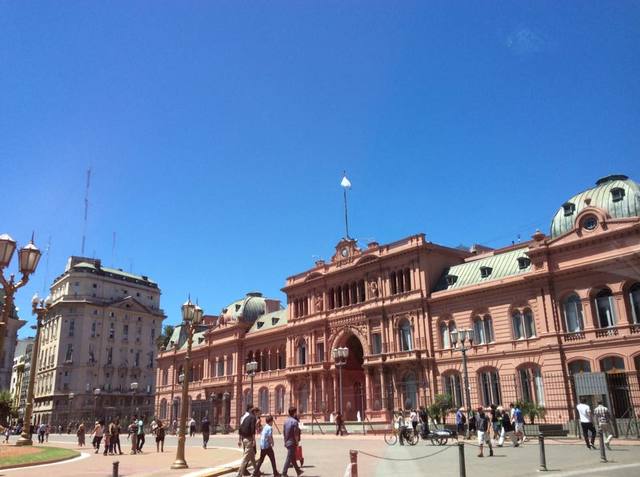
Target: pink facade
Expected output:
[544,310]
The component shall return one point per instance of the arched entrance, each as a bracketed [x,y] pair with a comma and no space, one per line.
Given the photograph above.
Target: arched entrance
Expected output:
[353,381]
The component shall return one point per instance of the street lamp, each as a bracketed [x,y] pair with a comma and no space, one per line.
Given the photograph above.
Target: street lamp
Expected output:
[458,339]
[252,368]
[226,402]
[96,395]
[340,356]
[191,317]
[70,397]
[134,387]
[28,258]
[40,308]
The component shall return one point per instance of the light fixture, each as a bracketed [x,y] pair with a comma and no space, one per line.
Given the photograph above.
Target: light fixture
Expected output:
[29,256]
[7,247]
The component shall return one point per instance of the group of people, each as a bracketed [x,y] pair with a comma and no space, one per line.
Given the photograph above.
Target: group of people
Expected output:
[603,418]
[405,421]
[110,435]
[250,426]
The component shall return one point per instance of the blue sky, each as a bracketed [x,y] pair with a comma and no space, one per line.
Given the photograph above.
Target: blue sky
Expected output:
[217,132]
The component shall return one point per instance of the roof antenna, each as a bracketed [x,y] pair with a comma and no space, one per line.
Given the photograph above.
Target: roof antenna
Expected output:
[46,268]
[86,212]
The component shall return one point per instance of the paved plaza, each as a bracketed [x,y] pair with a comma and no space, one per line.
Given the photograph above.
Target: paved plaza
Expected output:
[328,456]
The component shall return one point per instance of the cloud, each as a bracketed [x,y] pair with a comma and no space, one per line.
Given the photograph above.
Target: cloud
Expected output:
[525,41]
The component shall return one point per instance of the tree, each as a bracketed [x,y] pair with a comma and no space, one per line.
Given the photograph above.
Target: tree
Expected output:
[165,336]
[440,407]
[532,410]
[7,410]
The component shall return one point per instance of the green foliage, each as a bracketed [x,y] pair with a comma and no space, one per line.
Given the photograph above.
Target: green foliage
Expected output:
[532,410]
[7,409]
[165,336]
[442,404]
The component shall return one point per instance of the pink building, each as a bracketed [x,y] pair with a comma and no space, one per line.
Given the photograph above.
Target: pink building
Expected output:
[553,318]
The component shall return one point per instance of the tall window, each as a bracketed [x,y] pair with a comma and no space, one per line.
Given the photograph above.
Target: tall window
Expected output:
[406,342]
[376,343]
[410,391]
[302,352]
[531,388]
[605,309]
[69,354]
[579,366]
[483,329]
[319,352]
[452,387]
[612,364]
[230,365]
[634,298]
[280,400]
[572,307]
[221,366]
[490,387]
[303,398]
[163,409]
[72,327]
[263,400]
[523,324]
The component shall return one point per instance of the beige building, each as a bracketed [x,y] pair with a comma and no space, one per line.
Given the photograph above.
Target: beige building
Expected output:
[9,347]
[99,335]
[20,373]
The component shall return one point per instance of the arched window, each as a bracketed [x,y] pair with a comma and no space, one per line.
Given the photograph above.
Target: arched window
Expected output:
[263,400]
[445,342]
[409,391]
[163,409]
[605,309]
[612,364]
[303,398]
[523,324]
[634,299]
[489,384]
[282,359]
[451,384]
[246,398]
[280,400]
[302,352]
[572,307]
[264,361]
[483,329]
[531,388]
[406,341]
[579,366]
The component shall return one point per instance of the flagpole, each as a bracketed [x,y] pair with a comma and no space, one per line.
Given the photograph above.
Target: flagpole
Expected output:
[346,219]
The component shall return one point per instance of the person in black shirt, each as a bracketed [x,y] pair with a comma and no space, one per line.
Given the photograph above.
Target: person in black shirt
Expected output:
[204,425]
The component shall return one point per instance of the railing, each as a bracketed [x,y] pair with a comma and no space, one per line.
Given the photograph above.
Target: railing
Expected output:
[315,419]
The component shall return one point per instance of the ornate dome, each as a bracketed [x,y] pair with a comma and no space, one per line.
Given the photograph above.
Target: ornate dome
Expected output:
[617,195]
[247,309]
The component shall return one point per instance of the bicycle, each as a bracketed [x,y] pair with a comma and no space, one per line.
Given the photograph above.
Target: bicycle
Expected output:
[391,436]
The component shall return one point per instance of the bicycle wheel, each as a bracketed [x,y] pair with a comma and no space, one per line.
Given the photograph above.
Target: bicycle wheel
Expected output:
[390,438]
[411,438]
[438,440]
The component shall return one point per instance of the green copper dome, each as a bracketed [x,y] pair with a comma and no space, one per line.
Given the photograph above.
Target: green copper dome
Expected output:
[618,195]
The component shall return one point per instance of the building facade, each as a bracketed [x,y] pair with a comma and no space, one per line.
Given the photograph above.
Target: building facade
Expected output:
[10,330]
[98,338]
[542,312]
[20,374]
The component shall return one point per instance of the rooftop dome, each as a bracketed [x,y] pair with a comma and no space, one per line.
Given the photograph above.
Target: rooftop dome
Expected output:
[616,194]
[247,309]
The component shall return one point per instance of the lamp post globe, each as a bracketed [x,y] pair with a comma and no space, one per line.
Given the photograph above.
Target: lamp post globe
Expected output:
[7,248]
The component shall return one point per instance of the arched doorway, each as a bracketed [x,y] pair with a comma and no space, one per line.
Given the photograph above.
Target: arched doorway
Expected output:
[353,381]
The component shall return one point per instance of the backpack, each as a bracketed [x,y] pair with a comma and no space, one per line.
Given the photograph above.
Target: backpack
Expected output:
[463,418]
[245,427]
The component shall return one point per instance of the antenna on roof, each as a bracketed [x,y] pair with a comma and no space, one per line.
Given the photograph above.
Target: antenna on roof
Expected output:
[46,268]
[86,212]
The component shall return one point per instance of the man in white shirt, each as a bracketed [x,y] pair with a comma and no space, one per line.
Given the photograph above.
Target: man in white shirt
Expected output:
[584,412]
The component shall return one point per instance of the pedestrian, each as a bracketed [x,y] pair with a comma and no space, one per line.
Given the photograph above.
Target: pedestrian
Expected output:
[291,434]
[115,437]
[586,422]
[495,422]
[192,427]
[483,426]
[266,447]
[339,424]
[174,427]
[141,439]
[98,432]
[205,428]
[7,433]
[160,432]
[133,434]
[247,439]
[518,423]
[402,426]
[603,418]
[41,431]
[413,417]
[107,440]
[80,433]
[47,430]
[460,421]
[424,421]
[506,429]
[472,424]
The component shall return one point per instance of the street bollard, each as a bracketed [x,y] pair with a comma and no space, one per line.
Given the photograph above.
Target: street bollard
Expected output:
[543,456]
[353,456]
[463,470]
[603,452]
[116,464]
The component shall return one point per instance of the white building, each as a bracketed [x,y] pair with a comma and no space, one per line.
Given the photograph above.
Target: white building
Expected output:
[99,335]
[20,373]
[9,345]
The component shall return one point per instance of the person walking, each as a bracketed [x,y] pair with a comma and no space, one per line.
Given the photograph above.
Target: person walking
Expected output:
[402,426]
[424,421]
[506,429]
[80,434]
[247,438]
[133,434]
[339,424]
[205,428]
[603,418]
[266,448]
[98,432]
[160,433]
[7,433]
[413,417]
[192,427]
[47,431]
[141,438]
[291,434]
[107,440]
[115,437]
[586,422]
[483,425]
[518,424]
[460,421]
[41,430]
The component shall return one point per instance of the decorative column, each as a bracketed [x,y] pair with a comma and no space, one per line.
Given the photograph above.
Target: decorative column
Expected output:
[367,389]
[383,389]
[312,390]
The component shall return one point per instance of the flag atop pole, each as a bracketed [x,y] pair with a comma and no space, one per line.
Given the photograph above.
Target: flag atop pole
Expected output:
[346,184]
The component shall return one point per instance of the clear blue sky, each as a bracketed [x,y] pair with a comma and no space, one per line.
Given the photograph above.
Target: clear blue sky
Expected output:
[217,132]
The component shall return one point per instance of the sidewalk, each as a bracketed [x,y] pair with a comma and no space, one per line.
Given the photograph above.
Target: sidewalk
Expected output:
[202,463]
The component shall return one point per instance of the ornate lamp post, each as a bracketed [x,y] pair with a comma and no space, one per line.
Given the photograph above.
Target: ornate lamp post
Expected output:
[191,317]
[252,368]
[70,397]
[40,308]
[96,396]
[28,258]
[340,356]
[226,403]
[134,387]
[458,339]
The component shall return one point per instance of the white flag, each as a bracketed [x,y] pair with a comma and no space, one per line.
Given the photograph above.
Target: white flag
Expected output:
[345,183]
